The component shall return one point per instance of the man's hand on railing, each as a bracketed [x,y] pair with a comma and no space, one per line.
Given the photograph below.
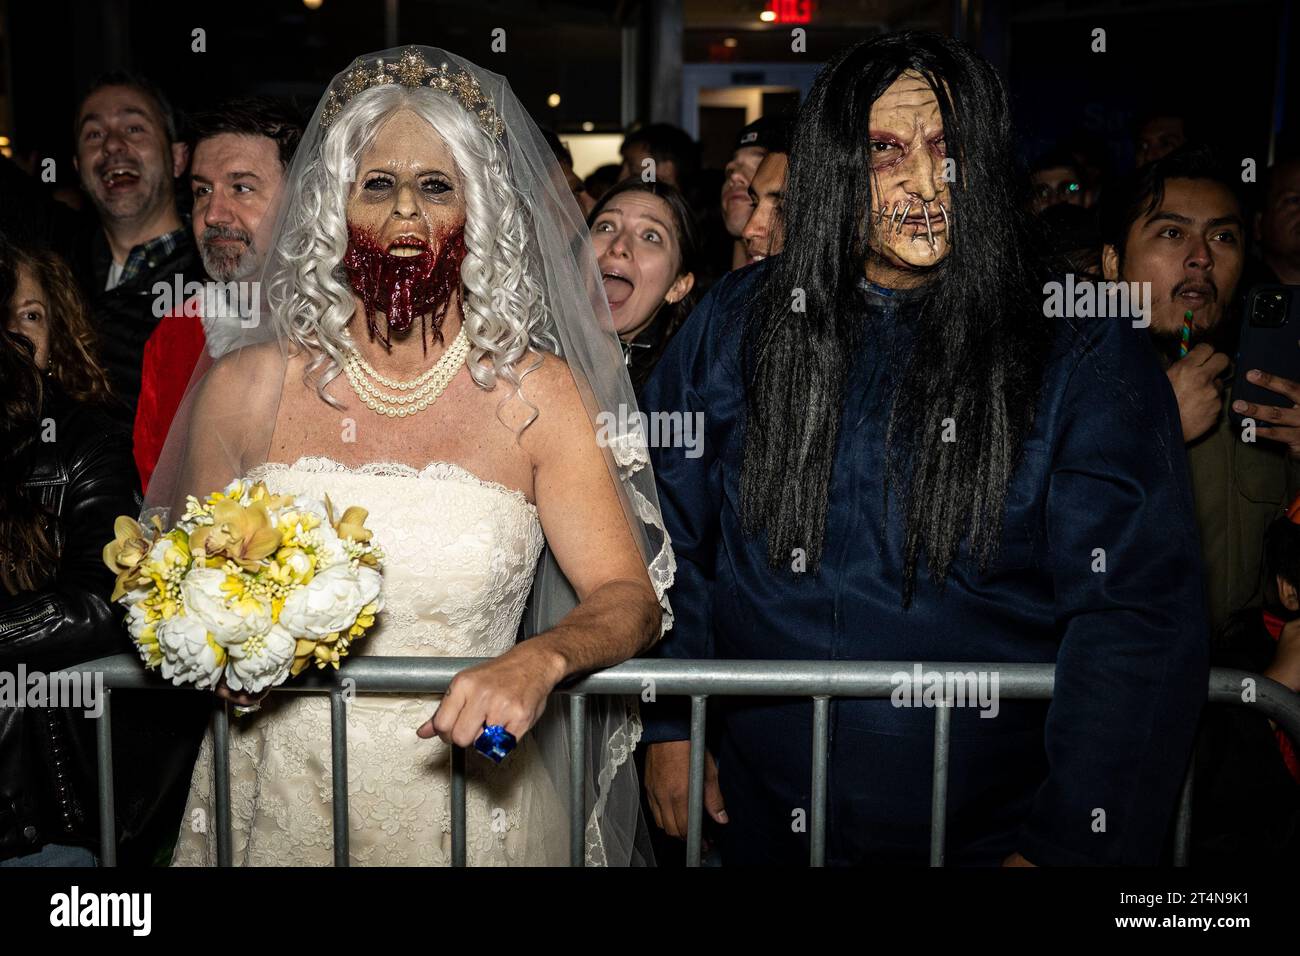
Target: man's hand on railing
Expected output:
[667,779]
[509,690]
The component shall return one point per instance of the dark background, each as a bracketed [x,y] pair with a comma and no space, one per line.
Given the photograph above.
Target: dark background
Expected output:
[1232,64]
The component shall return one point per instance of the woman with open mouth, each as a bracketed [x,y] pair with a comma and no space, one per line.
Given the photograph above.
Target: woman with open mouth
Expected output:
[647,247]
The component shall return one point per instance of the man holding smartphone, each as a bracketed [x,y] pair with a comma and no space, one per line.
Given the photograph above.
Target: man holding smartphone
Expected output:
[1177,223]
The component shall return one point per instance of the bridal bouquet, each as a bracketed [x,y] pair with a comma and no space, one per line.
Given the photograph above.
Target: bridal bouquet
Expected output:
[248,586]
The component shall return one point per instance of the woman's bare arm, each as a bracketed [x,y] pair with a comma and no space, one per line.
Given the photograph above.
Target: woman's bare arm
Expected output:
[618,614]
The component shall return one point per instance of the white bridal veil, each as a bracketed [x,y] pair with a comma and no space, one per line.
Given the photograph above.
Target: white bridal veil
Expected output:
[209,446]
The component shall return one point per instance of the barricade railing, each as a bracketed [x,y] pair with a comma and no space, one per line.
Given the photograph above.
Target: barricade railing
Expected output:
[698,680]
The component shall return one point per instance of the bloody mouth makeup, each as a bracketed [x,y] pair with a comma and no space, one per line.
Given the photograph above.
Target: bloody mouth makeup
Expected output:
[404,278]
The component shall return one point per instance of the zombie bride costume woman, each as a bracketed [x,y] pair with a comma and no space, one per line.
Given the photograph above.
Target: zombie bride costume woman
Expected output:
[434,346]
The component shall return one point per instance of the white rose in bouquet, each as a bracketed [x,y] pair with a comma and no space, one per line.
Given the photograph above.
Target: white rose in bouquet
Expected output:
[330,602]
[260,662]
[137,619]
[188,656]
[371,583]
[204,599]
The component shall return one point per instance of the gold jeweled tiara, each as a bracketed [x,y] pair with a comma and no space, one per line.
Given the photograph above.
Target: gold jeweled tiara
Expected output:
[413,70]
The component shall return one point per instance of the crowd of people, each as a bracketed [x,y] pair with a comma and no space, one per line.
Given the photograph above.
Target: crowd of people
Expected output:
[831,496]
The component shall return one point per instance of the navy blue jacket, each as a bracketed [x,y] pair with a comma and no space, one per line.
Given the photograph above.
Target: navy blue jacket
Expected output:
[1091,779]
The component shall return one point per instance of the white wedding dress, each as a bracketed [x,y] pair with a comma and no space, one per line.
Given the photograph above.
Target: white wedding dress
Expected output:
[461,553]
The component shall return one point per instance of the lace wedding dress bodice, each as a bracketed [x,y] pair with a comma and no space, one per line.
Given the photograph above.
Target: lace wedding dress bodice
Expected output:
[461,553]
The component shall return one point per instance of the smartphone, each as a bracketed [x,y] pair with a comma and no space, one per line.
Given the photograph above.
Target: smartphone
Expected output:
[1270,341]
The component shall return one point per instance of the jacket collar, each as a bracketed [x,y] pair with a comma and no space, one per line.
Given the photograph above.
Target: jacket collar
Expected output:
[897,297]
[44,466]
[150,260]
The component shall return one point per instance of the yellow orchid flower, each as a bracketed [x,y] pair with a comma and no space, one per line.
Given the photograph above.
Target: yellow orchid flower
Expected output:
[238,533]
[352,524]
[126,553]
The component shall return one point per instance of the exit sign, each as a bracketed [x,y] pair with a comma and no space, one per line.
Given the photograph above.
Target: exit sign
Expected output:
[790,11]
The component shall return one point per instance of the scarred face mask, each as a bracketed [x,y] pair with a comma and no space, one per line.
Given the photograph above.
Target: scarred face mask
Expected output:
[406,224]
[404,279]
[912,222]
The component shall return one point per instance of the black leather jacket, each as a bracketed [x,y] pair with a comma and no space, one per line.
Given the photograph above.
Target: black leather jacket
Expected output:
[124,317]
[86,478]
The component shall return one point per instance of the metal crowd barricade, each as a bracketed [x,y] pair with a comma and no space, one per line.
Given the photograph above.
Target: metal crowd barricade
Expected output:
[698,680]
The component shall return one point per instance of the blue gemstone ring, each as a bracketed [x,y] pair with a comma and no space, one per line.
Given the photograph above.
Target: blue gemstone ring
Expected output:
[495,742]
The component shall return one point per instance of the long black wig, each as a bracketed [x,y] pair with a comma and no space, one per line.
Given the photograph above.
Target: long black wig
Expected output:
[981,334]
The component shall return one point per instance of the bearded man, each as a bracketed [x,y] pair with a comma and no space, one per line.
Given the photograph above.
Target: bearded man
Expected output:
[242,150]
[906,460]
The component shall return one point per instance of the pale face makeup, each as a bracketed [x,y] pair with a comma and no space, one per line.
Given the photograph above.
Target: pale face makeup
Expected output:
[408,193]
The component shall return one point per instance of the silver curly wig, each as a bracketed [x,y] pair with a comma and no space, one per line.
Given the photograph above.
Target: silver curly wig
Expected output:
[503,304]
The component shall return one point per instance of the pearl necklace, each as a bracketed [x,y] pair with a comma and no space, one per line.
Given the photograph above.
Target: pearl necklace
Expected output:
[417,394]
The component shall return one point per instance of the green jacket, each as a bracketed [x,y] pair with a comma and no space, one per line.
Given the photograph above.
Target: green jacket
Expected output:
[1239,487]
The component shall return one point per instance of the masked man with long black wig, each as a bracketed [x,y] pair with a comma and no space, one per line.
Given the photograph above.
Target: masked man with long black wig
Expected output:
[904,459]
